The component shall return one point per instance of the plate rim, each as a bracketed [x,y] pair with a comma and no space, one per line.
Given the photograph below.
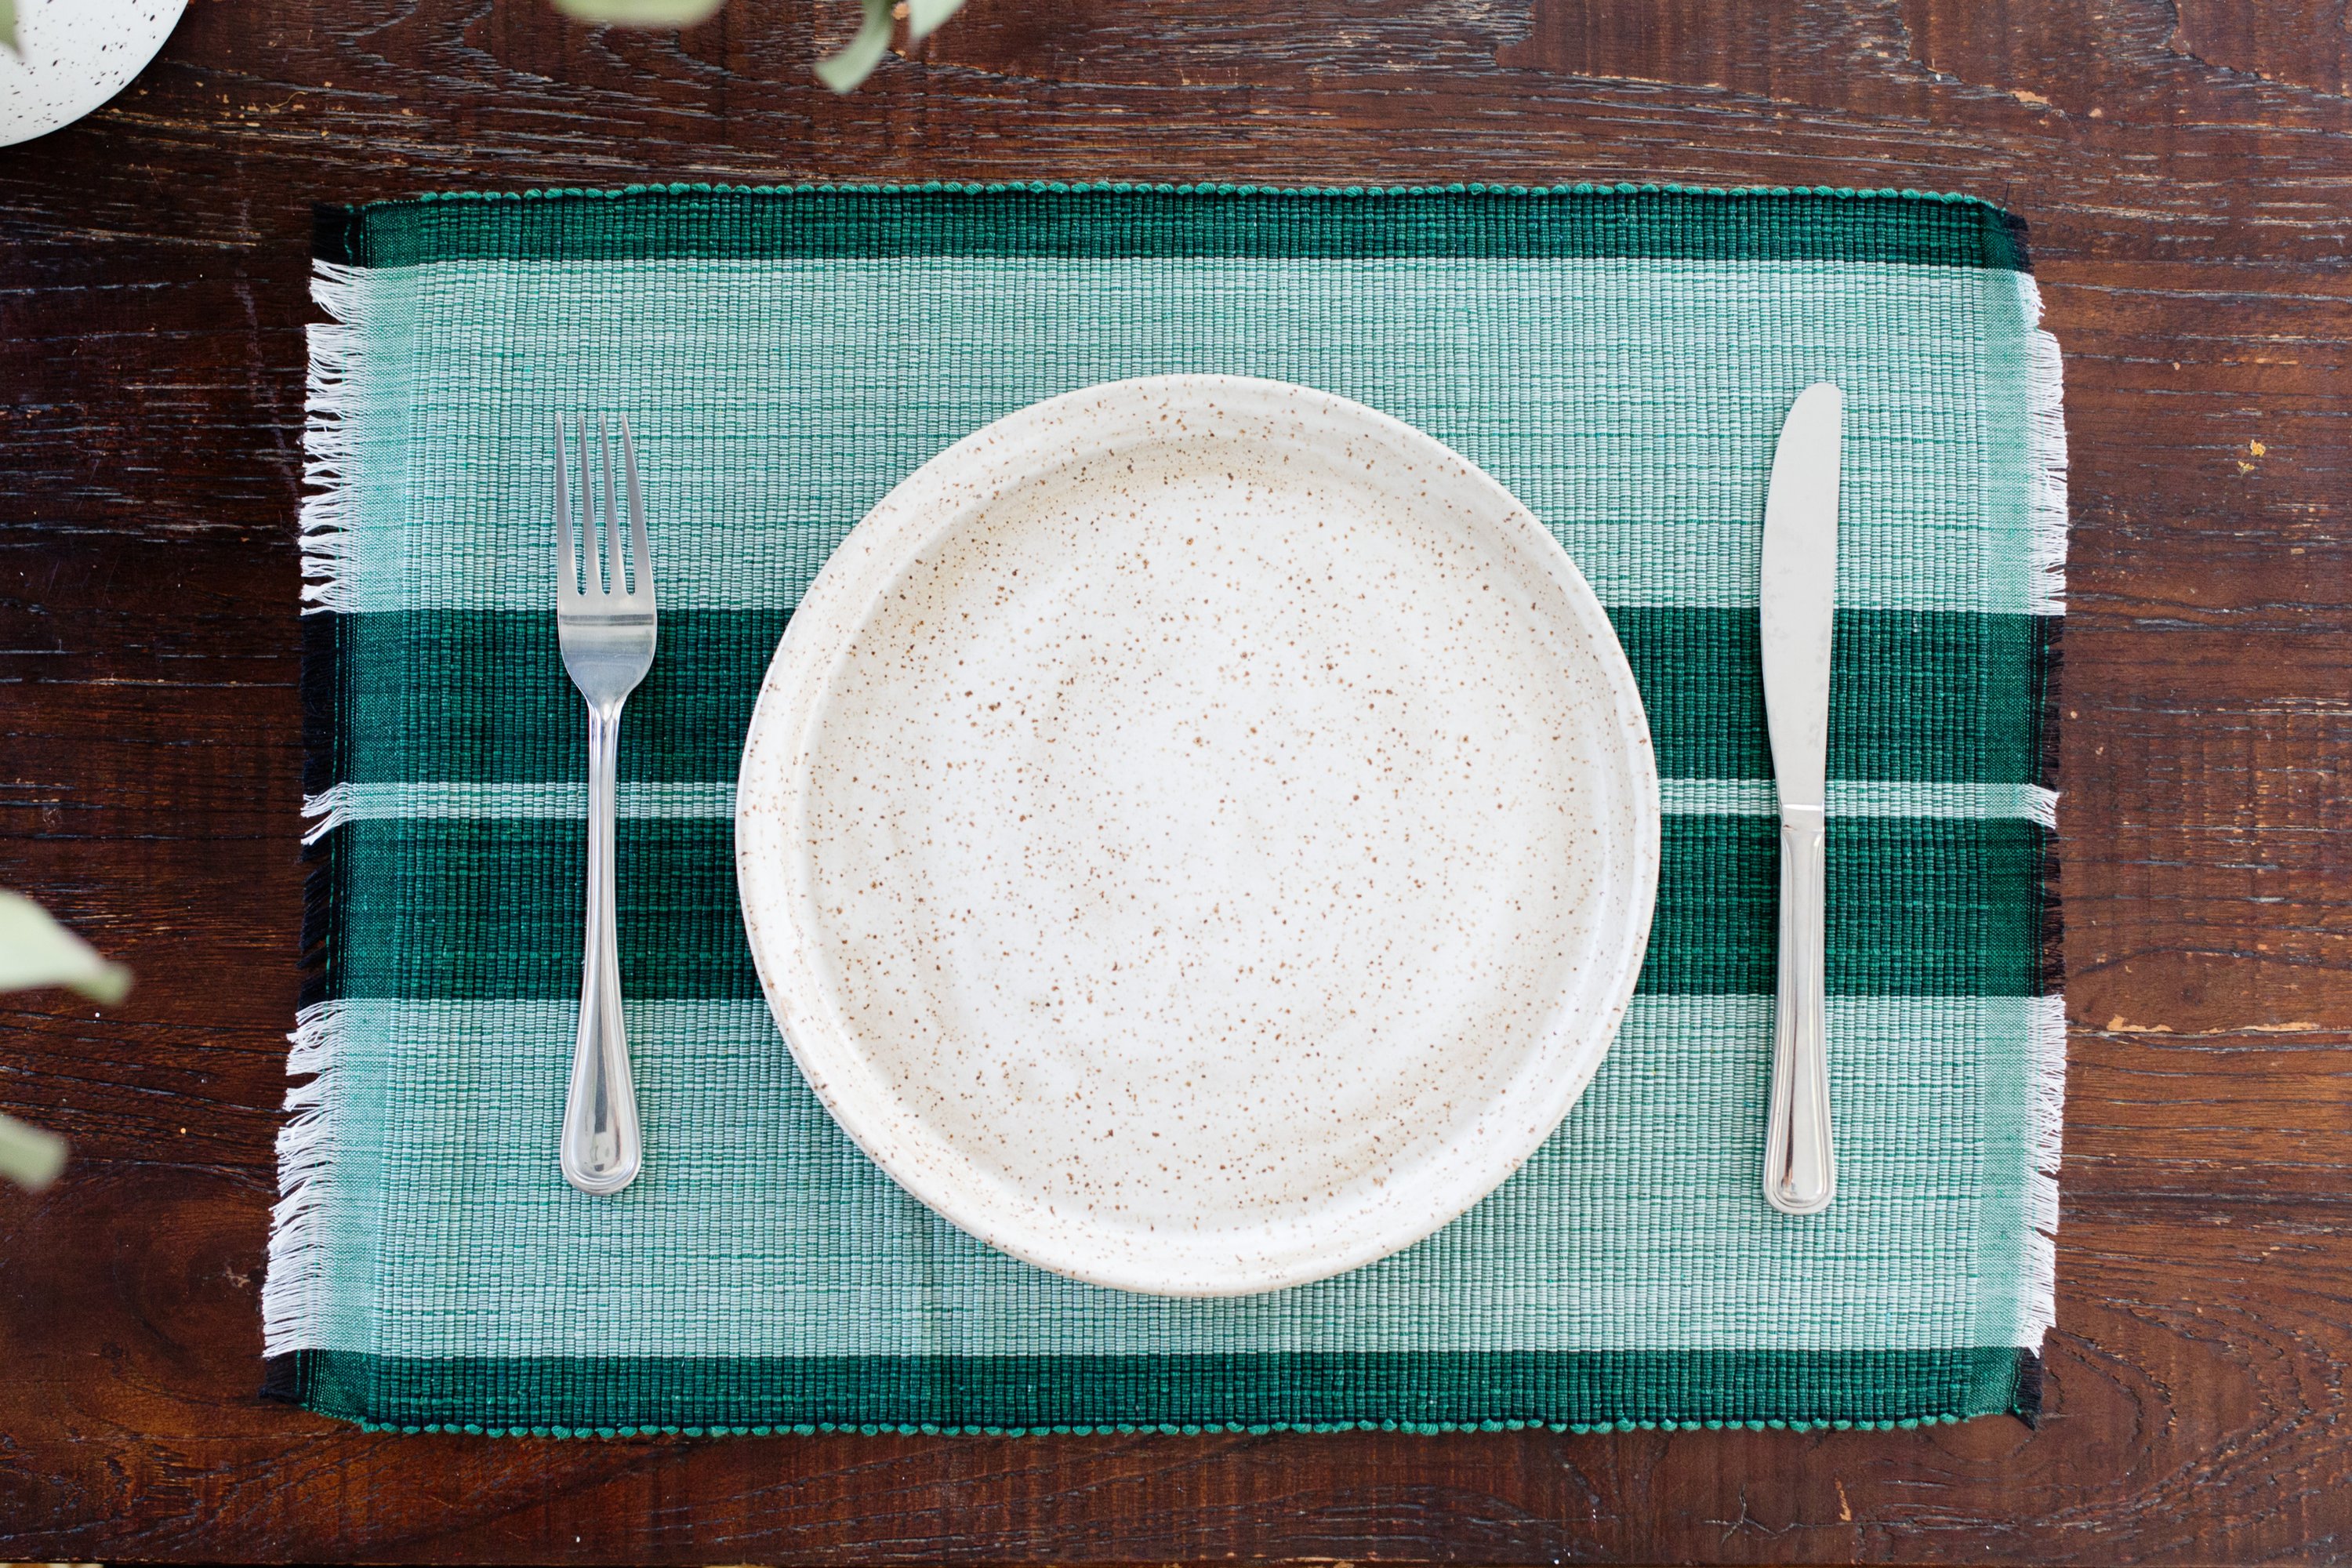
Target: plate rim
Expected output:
[800,672]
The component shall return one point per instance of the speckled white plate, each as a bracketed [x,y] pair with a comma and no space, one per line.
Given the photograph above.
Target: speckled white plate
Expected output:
[72,55]
[1198,835]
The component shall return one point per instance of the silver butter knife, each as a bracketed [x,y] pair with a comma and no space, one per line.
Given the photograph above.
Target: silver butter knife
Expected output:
[1798,596]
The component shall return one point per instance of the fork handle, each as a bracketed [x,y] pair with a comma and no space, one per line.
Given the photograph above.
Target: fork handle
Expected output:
[603,1146]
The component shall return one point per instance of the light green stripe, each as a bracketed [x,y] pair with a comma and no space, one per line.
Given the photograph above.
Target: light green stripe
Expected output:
[1613,1237]
[1705,797]
[442,802]
[1865,798]
[1631,404]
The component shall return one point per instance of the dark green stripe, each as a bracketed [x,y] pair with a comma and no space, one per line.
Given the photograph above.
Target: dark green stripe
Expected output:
[480,910]
[491,909]
[1654,223]
[1022,1393]
[481,696]
[1940,695]
[1916,907]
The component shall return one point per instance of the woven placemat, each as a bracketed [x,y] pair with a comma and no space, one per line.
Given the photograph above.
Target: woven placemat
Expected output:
[1619,357]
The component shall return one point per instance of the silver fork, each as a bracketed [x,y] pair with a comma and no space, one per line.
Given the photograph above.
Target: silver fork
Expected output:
[607,626]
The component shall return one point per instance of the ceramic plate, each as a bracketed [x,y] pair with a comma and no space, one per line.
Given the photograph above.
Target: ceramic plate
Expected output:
[72,55]
[1198,835]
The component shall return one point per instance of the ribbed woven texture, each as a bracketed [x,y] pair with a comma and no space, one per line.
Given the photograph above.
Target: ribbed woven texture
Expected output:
[1619,358]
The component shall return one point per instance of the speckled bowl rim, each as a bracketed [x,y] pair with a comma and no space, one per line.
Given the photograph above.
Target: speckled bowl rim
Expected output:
[772,792]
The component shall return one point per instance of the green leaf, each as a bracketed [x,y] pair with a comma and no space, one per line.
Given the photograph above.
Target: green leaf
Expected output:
[28,1156]
[923,16]
[37,951]
[634,13]
[8,26]
[854,64]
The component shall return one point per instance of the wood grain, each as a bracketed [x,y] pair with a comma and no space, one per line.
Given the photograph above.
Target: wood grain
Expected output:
[2187,173]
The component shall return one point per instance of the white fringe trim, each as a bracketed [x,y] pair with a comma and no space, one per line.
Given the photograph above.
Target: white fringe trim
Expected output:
[328,509]
[331,805]
[2038,1310]
[2046,1109]
[2046,439]
[2047,445]
[292,1296]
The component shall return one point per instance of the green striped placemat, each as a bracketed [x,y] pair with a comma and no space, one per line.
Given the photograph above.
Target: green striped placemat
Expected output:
[1619,357]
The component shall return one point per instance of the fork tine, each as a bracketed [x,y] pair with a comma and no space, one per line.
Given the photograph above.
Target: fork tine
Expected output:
[641,554]
[613,551]
[593,574]
[567,564]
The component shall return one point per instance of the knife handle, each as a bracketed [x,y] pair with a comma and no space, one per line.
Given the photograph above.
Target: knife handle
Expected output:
[1799,1166]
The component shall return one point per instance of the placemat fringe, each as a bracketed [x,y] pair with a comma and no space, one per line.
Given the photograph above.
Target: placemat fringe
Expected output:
[2046,1098]
[2046,461]
[297,1240]
[328,508]
[2046,1111]
[331,806]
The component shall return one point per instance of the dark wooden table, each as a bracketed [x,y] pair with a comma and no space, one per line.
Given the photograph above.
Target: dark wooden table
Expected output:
[2187,169]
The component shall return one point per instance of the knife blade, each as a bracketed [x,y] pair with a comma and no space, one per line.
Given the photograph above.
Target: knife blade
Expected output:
[1797,602]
